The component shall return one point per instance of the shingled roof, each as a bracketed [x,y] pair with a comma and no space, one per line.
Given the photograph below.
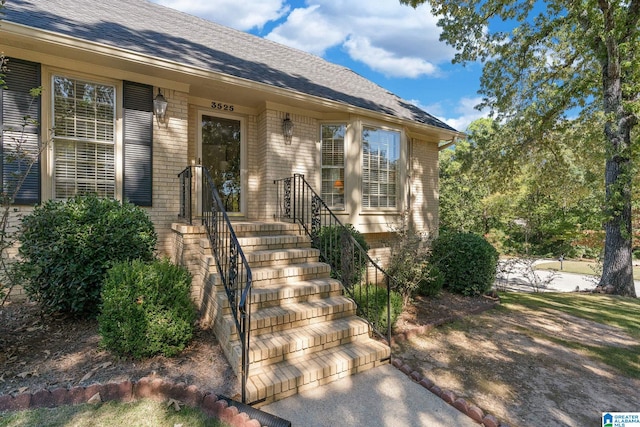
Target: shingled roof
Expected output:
[151,29]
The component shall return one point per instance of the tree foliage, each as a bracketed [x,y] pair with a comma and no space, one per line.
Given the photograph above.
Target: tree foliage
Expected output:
[544,61]
[542,200]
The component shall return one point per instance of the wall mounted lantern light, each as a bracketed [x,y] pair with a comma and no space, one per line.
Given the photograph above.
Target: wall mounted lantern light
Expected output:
[287,129]
[160,106]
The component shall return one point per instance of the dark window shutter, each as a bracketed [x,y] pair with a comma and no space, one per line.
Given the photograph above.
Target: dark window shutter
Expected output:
[20,145]
[138,143]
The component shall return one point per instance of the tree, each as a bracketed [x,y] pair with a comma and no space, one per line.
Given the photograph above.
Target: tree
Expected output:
[558,58]
[538,199]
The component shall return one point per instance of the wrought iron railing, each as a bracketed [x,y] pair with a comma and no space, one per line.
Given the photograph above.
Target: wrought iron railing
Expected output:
[231,263]
[186,192]
[364,280]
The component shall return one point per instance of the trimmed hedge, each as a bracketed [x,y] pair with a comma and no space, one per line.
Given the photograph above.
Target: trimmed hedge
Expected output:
[466,262]
[68,246]
[146,309]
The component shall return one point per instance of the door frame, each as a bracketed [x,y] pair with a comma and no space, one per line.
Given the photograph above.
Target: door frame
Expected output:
[243,159]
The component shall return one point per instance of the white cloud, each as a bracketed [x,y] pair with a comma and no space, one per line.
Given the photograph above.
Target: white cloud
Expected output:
[468,113]
[393,39]
[465,109]
[390,38]
[385,62]
[388,63]
[308,29]
[241,15]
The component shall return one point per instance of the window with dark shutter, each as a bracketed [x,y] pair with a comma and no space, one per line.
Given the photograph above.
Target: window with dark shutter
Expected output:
[138,143]
[84,123]
[20,137]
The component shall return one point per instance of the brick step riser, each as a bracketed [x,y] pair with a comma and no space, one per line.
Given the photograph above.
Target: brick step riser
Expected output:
[259,364]
[283,262]
[262,283]
[266,228]
[248,248]
[212,269]
[269,239]
[258,361]
[242,233]
[262,356]
[316,373]
[268,326]
[223,301]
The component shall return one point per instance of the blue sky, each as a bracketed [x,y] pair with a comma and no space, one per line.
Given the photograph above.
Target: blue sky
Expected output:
[393,45]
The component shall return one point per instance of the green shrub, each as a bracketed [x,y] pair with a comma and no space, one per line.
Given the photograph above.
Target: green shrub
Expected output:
[467,262]
[67,247]
[372,305]
[146,309]
[337,250]
[433,283]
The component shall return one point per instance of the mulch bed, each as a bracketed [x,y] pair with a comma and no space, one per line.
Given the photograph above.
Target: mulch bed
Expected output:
[425,313]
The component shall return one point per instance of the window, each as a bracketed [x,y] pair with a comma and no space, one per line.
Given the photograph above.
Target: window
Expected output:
[84,138]
[380,155]
[333,165]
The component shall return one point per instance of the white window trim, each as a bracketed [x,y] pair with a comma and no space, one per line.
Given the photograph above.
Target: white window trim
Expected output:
[401,172]
[345,148]
[47,122]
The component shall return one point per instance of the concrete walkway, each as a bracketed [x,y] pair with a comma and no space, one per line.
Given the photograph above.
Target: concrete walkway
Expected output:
[379,397]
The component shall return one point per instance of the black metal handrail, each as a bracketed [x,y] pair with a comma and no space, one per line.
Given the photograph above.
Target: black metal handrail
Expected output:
[186,192]
[231,262]
[361,276]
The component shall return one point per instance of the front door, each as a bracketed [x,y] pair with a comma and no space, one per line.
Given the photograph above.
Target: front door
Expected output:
[221,154]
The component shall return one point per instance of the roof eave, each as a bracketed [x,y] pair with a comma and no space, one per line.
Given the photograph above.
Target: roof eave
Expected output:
[167,65]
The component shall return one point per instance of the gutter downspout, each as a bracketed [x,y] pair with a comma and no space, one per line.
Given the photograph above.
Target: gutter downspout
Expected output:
[448,144]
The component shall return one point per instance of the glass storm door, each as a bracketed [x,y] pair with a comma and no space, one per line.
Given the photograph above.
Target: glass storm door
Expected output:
[221,155]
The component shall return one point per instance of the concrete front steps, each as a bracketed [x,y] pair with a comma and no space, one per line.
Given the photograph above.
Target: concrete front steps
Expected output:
[304,331]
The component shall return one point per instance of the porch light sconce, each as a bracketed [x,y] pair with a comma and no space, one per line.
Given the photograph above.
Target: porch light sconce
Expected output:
[160,106]
[287,129]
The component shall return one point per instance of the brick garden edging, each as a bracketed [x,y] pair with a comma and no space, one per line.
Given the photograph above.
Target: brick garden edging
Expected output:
[128,391]
[448,396]
[420,330]
[472,411]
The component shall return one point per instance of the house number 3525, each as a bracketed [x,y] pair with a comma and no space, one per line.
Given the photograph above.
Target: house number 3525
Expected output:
[220,106]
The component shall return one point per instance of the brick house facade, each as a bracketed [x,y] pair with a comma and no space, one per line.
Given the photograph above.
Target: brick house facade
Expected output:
[384,151]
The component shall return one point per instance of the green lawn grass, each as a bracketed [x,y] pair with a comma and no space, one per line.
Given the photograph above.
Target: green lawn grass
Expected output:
[143,413]
[579,267]
[620,312]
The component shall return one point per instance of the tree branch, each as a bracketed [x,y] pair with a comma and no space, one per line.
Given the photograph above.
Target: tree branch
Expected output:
[633,18]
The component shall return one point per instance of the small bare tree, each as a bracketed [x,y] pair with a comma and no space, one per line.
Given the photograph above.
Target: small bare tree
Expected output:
[21,158]
[522,271]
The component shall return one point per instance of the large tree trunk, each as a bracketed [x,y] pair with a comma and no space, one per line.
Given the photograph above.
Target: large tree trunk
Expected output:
[617,270]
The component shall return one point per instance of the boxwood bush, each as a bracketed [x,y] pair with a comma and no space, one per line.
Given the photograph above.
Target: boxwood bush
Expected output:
[68,246]
[146,309]
[466,261]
